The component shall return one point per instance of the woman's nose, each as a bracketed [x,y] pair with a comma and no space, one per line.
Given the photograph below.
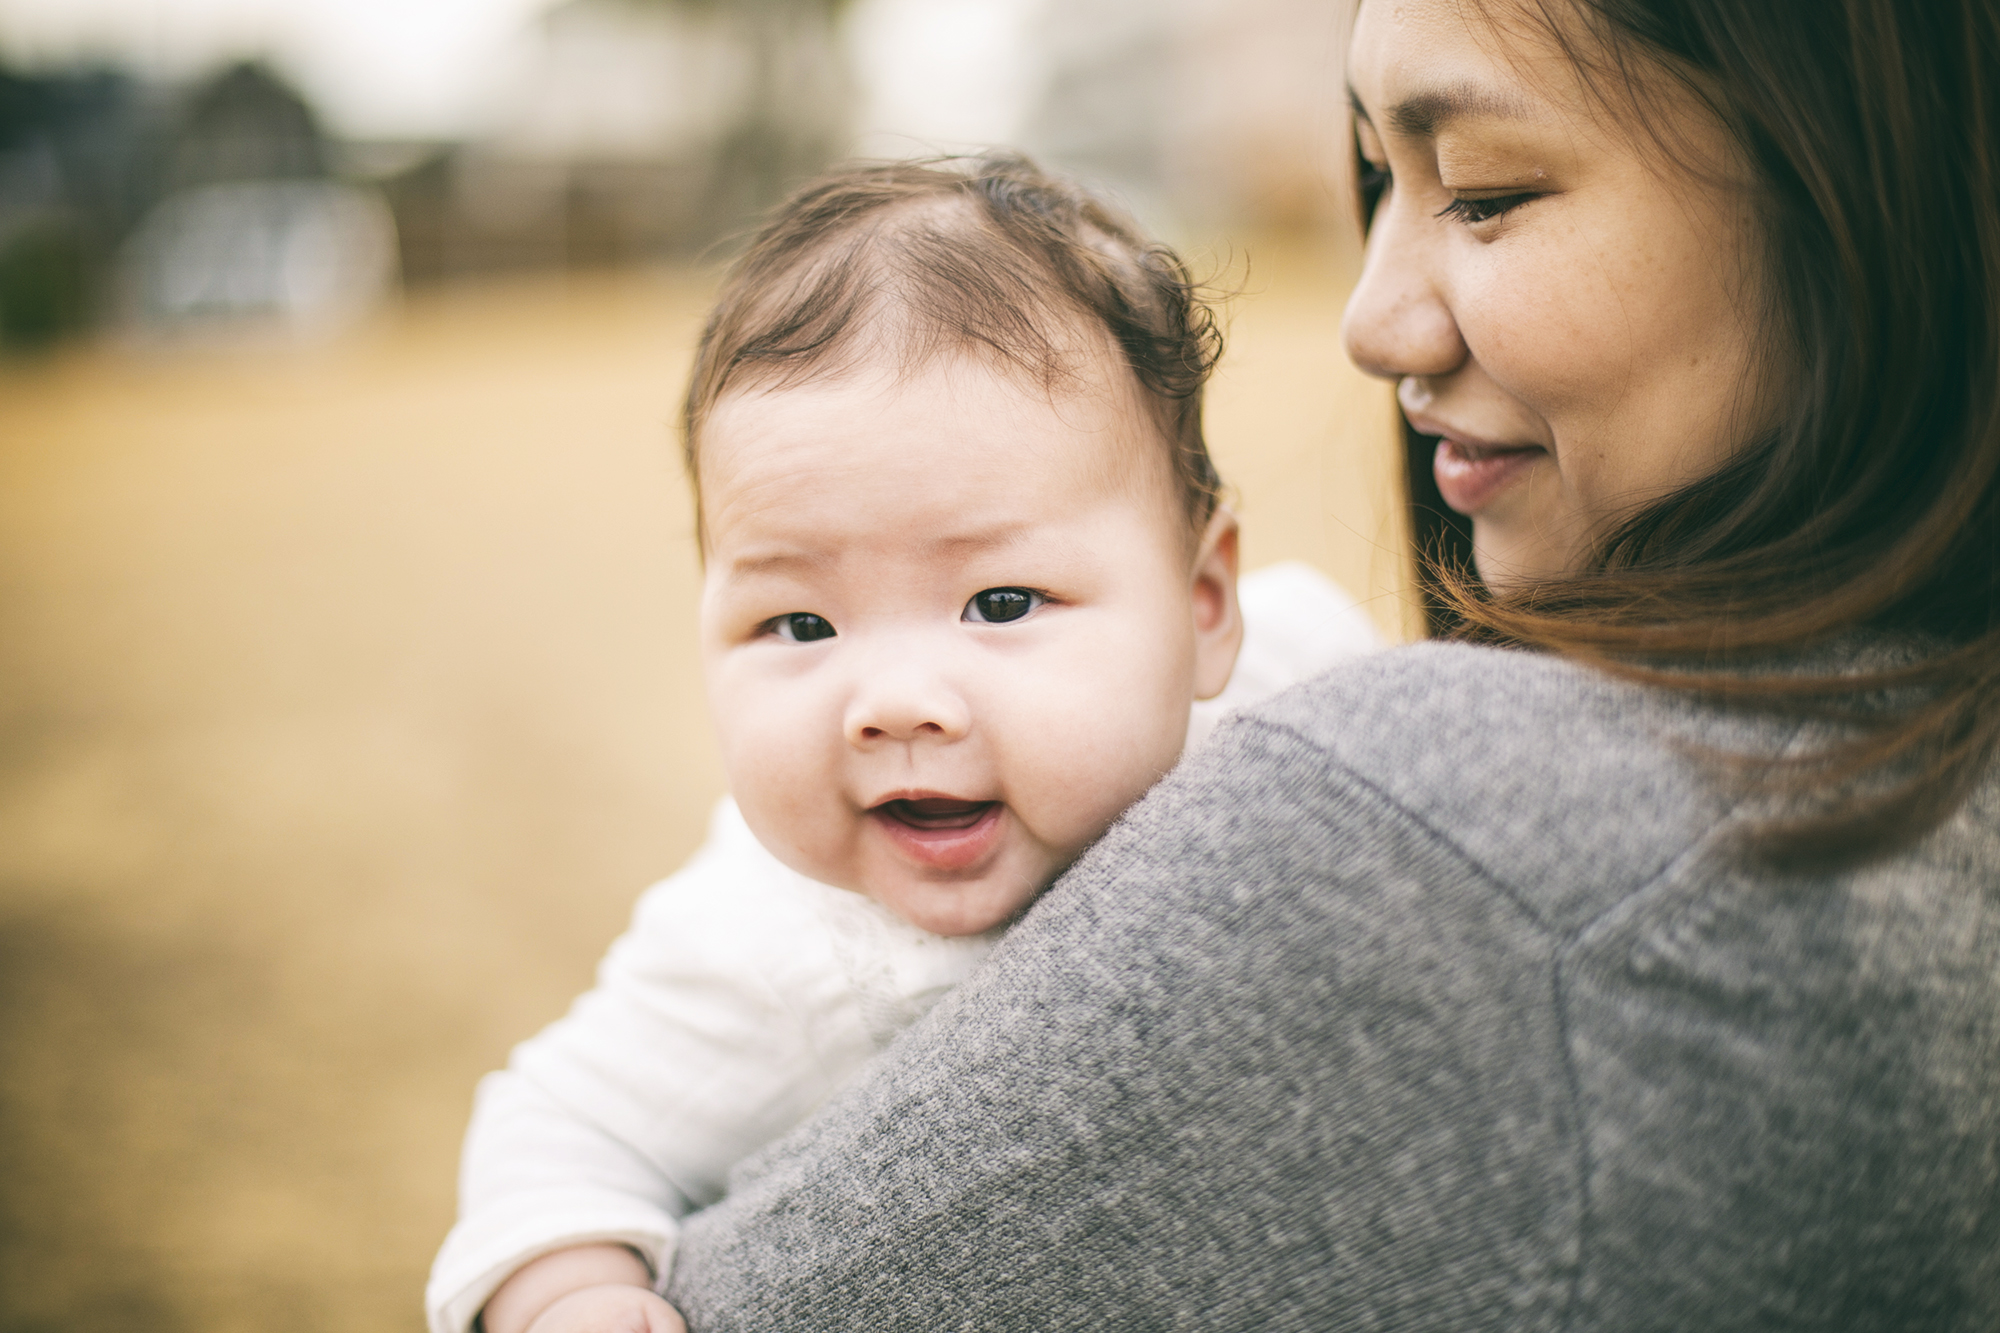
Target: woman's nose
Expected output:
[1398,322]
[905,702]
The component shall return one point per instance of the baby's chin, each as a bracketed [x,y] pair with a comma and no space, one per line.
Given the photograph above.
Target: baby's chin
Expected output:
[960,907]
[972,899]
[954,880]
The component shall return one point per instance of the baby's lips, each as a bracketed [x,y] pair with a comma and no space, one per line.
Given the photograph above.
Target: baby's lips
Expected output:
[934,812]
[939,805]
[957,842]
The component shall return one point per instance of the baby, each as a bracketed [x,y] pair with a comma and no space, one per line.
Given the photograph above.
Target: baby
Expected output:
[966,572]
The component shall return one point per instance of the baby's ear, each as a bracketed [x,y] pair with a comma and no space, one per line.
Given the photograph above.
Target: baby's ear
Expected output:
[1218,621]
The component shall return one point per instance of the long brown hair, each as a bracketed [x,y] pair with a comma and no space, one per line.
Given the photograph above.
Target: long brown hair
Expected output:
[1873,127]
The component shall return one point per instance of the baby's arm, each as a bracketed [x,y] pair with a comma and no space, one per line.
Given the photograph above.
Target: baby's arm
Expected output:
[706,1037]
[540,1176]
[589,1289]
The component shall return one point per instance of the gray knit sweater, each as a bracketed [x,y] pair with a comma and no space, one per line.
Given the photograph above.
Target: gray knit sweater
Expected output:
[1426,997]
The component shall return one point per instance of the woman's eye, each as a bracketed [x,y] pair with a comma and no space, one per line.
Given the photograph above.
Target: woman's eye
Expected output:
[800,627]
[1474,211]
[997,606]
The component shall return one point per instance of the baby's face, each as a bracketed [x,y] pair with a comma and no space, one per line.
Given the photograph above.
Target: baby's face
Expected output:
[951,627]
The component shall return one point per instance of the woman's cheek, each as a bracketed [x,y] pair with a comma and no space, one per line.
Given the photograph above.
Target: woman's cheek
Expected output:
[1542,338]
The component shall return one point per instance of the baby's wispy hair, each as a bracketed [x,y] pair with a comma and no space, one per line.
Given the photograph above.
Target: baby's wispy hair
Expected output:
[989,255]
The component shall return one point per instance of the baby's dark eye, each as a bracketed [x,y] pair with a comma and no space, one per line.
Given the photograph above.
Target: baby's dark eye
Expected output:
[800,627]
[997,606]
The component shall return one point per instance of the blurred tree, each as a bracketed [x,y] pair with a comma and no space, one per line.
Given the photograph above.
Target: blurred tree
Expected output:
[45,283]
[73,175]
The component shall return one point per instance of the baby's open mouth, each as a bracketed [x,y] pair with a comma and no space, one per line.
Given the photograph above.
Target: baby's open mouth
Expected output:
[943,833]
[935,814]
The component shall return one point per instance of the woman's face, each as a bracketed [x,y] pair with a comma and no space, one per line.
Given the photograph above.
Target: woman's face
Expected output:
[1570,309]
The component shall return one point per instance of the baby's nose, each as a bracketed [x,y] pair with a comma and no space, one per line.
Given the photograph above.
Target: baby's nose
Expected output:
[906,703]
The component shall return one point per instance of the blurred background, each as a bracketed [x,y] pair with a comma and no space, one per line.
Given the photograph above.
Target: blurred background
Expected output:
[348,692]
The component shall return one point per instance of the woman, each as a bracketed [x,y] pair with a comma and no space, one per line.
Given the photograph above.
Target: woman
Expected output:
[1644,981]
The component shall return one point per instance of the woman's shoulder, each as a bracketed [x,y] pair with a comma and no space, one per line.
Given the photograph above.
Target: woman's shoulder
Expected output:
[1560,782]
[1568,786]
[1443,714]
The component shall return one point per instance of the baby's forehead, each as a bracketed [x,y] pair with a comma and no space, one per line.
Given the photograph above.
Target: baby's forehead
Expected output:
[1089,399]
[952,434]
[925,279]
[999,270]
[904,327]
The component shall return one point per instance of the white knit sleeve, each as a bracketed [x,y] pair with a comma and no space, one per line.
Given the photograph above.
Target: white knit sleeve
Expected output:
[537,1177]
[719,1021]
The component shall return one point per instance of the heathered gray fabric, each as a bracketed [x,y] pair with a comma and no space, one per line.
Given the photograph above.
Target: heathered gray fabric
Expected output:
[1425,998]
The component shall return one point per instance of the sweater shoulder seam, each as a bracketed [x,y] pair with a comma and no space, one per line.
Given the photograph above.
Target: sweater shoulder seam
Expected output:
[1493,882]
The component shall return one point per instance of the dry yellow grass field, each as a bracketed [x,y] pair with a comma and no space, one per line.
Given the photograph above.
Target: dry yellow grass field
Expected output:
[348,697]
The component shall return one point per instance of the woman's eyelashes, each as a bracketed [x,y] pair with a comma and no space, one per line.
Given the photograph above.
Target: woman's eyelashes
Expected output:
[1472,212]
[997,606]
[799,627]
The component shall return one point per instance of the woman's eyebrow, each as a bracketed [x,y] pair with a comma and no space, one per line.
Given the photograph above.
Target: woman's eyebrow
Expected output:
[1423,114]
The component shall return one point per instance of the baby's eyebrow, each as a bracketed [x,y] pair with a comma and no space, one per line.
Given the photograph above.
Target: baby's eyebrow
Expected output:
[952,545]
[776,562]
[985,539]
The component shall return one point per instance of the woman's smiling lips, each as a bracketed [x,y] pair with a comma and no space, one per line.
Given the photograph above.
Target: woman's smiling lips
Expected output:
[940,832]
[1470,471]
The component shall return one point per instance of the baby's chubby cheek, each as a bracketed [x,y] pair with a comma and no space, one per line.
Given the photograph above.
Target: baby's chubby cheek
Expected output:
[1065,774]
[790,791]
[1093,764]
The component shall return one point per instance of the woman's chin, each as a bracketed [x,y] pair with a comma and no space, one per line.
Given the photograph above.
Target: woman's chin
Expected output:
[1509,561]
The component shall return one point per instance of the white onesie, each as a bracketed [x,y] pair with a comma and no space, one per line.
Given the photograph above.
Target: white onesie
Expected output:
[742,996]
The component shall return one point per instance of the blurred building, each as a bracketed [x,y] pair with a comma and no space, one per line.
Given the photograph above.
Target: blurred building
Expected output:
[170,208]
[1202,112]
[246,123]
[639,128]
[252,226]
